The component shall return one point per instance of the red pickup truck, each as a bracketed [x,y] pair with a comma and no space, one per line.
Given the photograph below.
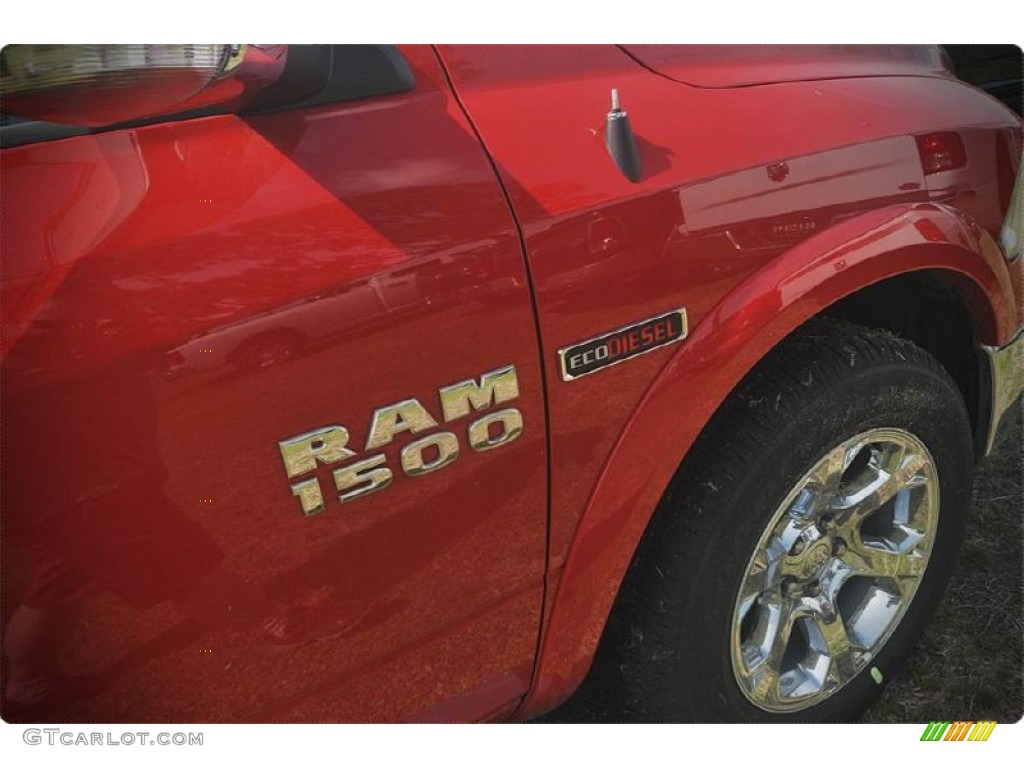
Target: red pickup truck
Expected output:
[373,383]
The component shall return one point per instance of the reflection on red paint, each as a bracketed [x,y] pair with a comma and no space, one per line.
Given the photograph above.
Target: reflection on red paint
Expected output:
[180,297]
[941,152]
[929,230]
[177,298]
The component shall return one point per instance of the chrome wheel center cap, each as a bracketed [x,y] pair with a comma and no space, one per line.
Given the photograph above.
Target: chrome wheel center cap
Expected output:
[815,559]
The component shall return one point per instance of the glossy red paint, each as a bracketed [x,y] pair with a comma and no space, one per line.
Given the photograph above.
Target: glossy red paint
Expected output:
[737,184]
[179,297]
[732,66]
[745,325]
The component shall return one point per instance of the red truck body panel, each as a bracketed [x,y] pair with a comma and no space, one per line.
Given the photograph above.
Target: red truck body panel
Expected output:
[735,66]
[758,208]
[180,297]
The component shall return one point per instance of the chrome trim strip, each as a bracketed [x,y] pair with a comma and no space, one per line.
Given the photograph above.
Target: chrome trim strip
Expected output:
[1011,238]
[1006,368]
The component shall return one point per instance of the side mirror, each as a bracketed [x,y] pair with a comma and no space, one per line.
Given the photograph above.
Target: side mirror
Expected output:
[98,85]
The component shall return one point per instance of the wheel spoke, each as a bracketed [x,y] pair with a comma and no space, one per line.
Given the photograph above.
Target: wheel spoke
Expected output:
[834,578]
[784,541]
[829,472]
[880,489]
[751,589]
[877,563]
[840,650]
[770,640]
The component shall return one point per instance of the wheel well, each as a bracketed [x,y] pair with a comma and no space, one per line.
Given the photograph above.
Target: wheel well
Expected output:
[927,309]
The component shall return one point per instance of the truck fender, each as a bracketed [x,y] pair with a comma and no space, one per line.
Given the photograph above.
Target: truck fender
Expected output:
[720,350]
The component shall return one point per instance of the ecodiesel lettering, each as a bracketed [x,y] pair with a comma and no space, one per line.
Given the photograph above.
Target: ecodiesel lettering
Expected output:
[329,445]
[622,344]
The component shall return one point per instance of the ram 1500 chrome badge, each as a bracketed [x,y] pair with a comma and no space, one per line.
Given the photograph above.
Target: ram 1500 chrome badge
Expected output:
[622,344]
[303,453]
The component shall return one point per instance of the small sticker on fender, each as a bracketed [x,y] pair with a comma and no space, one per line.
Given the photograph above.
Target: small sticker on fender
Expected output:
[622,344]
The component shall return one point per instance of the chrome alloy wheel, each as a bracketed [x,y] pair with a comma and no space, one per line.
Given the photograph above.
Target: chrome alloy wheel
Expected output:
[835,570]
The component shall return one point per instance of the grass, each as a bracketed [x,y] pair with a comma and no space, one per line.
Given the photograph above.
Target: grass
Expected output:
[968,665]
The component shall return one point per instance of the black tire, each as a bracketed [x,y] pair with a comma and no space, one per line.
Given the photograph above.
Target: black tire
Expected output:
[666,653]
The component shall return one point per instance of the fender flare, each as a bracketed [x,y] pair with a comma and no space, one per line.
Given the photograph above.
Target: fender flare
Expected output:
[735,335]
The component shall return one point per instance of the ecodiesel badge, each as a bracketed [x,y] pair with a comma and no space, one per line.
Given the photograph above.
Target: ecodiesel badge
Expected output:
[622,344]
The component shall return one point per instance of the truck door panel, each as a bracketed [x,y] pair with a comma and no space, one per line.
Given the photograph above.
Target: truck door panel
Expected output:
[181,297]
